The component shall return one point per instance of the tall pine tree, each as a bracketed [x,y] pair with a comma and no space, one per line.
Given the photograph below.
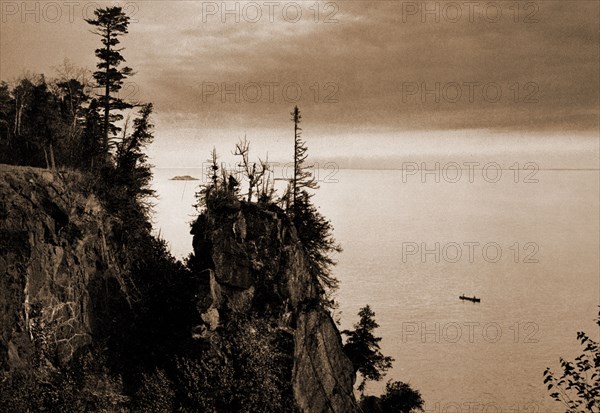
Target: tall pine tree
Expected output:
[111,23]
[302,179]
[314,230]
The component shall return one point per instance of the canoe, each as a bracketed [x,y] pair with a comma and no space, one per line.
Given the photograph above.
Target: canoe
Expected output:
[473,299]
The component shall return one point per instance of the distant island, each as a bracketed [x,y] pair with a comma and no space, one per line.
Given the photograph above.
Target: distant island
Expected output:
[184,178]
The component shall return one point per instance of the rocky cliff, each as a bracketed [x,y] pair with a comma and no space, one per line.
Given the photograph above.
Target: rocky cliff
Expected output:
[64,285]
[60,273]
[255,265]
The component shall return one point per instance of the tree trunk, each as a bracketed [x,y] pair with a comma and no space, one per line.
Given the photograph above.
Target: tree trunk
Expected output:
[295,162]
[107,95]
[19,110]
[46,156]
[52,163]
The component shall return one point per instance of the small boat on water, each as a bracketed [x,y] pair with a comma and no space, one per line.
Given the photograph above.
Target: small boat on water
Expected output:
[473,299]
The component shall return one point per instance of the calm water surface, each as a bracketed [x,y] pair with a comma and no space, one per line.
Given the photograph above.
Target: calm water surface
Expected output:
[529,250]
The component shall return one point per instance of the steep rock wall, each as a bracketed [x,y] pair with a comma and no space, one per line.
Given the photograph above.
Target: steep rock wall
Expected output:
[60,274]
[255,264]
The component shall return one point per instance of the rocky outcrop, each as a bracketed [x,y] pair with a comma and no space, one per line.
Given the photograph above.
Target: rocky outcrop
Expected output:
[323,375]
[60,274]
[63,285]
[252,259]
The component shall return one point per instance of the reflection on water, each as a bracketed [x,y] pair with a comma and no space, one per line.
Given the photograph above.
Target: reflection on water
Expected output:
[529,250]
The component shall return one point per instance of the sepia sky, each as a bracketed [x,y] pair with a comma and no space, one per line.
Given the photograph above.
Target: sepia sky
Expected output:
[369,76]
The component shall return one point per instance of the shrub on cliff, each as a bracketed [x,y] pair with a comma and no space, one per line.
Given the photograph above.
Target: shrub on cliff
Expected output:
[155,395]
[85,386]
[262,361]
[246,367]
[204,382]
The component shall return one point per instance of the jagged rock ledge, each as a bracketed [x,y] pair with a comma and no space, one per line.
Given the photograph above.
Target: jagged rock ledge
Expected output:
[254,262]
[63,281]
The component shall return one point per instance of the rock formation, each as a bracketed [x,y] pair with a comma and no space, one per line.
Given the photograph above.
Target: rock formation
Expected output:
[256,265]
[64,283]
[60,274]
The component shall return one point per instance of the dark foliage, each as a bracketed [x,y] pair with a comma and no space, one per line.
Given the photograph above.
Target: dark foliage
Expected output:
[59,125]
[578,387]
[316,235]
[36,125]
[246,367]
[314,230]
[362,348]
[302,179]
[111,23]
[399,397]
[86,385]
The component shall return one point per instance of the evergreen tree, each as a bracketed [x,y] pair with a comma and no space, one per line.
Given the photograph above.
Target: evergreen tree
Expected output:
[39,123]
[316,235]
[314,231]
[21,94]
[111,23]
[399,397]
[71,98]
[6,104]
[92,136]
[362,348]
[133,173]
[302,179]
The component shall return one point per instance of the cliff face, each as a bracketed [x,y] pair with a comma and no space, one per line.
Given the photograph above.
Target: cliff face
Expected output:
[60,274]
[256,265]
[63,286]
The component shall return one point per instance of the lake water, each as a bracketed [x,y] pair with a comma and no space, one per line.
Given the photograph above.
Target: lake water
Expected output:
[529,249]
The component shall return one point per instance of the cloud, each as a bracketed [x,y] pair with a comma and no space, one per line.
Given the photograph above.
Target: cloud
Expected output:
[356,71]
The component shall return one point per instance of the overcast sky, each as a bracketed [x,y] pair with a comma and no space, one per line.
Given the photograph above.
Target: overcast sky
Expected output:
[369,72]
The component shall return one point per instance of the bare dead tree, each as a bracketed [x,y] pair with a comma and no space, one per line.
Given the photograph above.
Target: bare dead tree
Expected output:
[255,173]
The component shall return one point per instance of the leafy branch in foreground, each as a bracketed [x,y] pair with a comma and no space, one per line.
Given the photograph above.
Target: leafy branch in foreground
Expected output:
[578,387]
